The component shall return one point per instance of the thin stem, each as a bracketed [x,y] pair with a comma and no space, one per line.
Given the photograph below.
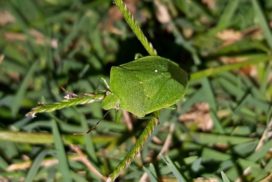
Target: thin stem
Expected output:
[44,138]
[152,123]
[250,60]
[135,27]
[84,159]
[76,100]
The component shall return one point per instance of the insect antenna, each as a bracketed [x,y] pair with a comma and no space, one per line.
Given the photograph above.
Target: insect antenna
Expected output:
[97,123]
[105,83]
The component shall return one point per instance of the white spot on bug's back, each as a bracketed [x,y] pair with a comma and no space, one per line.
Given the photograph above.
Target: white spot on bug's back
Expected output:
[156,71]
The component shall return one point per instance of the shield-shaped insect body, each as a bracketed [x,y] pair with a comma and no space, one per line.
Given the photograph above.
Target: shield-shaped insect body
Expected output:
[145,85]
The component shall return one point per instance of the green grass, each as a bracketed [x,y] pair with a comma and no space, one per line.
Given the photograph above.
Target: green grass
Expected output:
[51,44]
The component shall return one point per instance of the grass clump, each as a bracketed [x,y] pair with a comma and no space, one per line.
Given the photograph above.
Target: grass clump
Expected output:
[220,130]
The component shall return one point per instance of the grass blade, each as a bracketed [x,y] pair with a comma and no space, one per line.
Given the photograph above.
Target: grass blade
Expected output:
[35,166]
[227,15]
[61,155]
[42,138]
[262,21]
[209,138]
[224,177]
[150,170]
[20,94]
[174,169]
[230,67]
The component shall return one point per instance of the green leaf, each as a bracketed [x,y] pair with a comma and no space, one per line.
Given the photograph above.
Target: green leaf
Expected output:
[174,169]
[251,60]
[61,155]
[227,15]
[20,94]
[151,171]
[224,177]
[262,21]
[35,166]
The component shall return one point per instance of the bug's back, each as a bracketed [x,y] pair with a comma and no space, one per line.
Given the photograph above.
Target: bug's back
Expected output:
[148,84]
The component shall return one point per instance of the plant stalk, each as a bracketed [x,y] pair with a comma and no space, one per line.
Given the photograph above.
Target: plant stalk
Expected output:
[68,102]
[135,27]
[152,123]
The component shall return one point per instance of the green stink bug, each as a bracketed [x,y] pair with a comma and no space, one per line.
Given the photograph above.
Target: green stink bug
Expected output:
[145,85]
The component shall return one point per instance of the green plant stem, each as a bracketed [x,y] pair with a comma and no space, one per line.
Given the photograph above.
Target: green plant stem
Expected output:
[152,123]
[63,164]
[135,27]
[78,100]
[250,60]
[44,138]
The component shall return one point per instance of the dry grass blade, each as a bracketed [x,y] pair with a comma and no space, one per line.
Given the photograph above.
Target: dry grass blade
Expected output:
[83,158]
